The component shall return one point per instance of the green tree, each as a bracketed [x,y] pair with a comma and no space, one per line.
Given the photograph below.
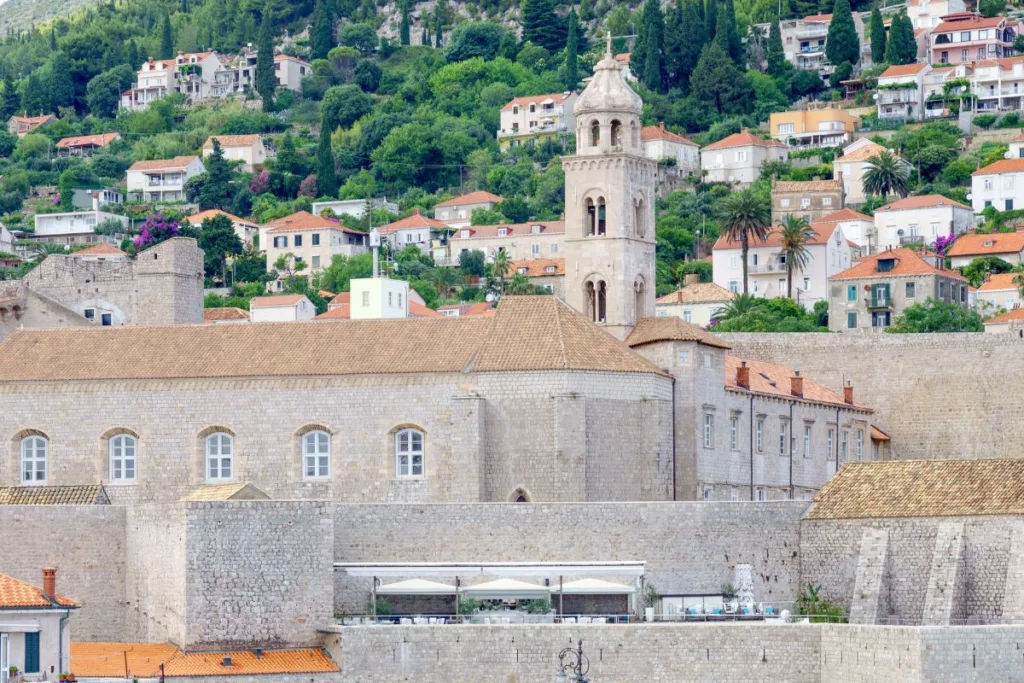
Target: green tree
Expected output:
[322,38]
[877,28]
[886,174]
[362,37]
[166,39]
[515,209]
[34,100]
[572,65]
[542,25]
[901,47]
[780,314]
[10,103]
[991,8]
[794,235]
[499,269]
[61,86]
[478,39]
[338,276]
[218,240]
[326,176]
[693,41]
[472,263]
[935,315]
[403,31]
[842,43]
[652,36]
[776,56]
[710,19]
[343,105]
[979,268]
[735,45]
[717,82]
[133,55]
[744,217]
[217,189]
[103,93]
[266,80]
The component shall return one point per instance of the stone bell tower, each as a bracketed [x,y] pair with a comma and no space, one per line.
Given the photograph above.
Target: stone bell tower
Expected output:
[609,206]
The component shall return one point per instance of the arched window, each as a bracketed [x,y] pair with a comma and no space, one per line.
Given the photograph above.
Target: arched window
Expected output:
[638,217]
[616,133]
[591,301]
[123,449]
[602,298]
[409,454]
[34,450]
[595,133]
[640,295]
[520,496]
[590,218]
[601,216]
[316,454]
[634,133]
[220,450]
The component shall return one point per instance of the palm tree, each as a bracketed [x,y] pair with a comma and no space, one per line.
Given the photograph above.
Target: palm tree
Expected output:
[741,304]
[745,216]
[499,268]
[1019,281]
[795,233]
[886,173]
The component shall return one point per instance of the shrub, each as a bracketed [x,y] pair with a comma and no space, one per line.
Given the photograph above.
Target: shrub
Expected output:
[1011,120]
[985,121]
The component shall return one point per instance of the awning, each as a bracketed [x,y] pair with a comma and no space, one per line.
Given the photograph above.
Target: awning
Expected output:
[416,587]
[593,587]
[507,589]
[467,569]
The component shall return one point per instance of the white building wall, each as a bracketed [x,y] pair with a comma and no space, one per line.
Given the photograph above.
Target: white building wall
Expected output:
[74,223]
[996,190]
[740,165]
[928,224]
[381,297]
[303,310]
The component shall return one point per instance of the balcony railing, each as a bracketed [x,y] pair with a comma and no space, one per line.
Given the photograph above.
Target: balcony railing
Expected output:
[770,267]
[878,302]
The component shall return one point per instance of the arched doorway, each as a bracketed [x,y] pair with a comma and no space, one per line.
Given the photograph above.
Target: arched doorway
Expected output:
[520,495]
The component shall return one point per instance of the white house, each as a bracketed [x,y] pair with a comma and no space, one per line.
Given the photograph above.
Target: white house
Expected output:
[191,74]
[1016,150]
[162,180]
[415,229]
[100,252]
[378,298]
[829,252]
[353,207]
[283,308]
[35,631]
[1010,322]
[927,14]
[536,119]
[695,303]
[664,145]
[311,239]
[458,211]
[1000,185]
[998,84]
[857,228]
[247,231]
[74,222]
[249,149]
[999,290]
[738,158]
[852,166]
[1008,246]
[290,71]
[914,220]
[901,92]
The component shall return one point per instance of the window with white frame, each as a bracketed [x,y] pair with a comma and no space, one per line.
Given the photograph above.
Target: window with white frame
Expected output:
[860,444]
[734,495]
[831,443]
[316,454]
[807,441]
[734,433]
[844,446]
[554,247]
[988,183]
[687,316]
[826,201]
[785,128]
[535,249]
[409,454]
[759,435]
[784,203]
[734,286]
[760,495]
[783,437]
[805,202]
[122,458]
[34,450]
[220,450]
[709,430]
[502,232]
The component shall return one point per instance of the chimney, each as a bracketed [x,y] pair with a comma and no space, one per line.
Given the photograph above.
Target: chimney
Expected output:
[796,384]
[848,394]
[691,279]
[95,201]
[49,582]
[743,375]
[661,125]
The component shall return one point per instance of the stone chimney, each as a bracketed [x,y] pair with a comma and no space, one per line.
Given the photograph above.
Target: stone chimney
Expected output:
[691,279]
[796,384]
[661,125]
[743,375]
[49,582]
[848,394]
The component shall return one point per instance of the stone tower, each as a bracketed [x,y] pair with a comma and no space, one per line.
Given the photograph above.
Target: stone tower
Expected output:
[169,278]
[609,206]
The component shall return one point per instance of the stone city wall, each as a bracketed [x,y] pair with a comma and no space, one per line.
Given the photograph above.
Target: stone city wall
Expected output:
[155,576]
[937,395]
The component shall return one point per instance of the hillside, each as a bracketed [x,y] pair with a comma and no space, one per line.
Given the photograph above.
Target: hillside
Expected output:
[21,14]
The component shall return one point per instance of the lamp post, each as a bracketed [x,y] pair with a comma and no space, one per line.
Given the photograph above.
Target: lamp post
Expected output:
[573,665]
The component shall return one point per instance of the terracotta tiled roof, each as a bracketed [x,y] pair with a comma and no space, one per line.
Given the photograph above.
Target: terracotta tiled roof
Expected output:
[289,58]
[101,249]
[1019,138]
[343,298]
[416,220]
[908,262]
[513,229]
[219,492]
[174,164]
[34,120]
[698,293]
[197,218]
[742,140]
[926,201]
[898,70]
[478,197]
[101,140]
[232,140]
[822,233]
[774,380]
[301,221]
[15,594]
[479,308]
[1003,63]
[973,244]
[84,494]
[558,98]
[218,314]
[845,215]
[343,311]
[325,294]
[538,267]
[659,133]
[878,435]
[527,333]
[814,18]
[922,488]
[622,57]
[967,25]
[275,301]
[807,186]
[1009,316]
[863,153]
[670,328]
[1002,166]
[142,660]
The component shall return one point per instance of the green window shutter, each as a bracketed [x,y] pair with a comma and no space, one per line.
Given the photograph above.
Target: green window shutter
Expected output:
[851,320]
[885,288]
[32,653]
[851,293]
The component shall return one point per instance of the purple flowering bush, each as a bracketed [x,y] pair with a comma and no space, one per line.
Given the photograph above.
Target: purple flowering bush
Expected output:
[260,182]
[154,230]
[308,186]
[942,244]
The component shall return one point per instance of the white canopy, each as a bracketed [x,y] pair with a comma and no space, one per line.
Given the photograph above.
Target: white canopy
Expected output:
[464,569]
[593,587]
[416,587]
[507,589]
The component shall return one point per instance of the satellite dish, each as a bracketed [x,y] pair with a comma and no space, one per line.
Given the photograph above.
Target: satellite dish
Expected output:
[490,297]
[375,238]
[900,232]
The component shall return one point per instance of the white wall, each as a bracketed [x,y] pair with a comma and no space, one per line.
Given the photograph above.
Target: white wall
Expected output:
[303,310]
[997,189]
[75,223]
[929,224]
[381,297]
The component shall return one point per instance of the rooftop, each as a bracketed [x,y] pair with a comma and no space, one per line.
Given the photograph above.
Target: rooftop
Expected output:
[973,244]
[670,328]
[907,262]
[15,594]
[899,70]
[1002,166]
[342,310]
[555,98]
[540,267]
[416,220]
[232,140]
[197,218]
[478,231]
[863,153]
[1000,282]
[660,133]
[743,140]
[101,249]
[301,221]
[1009,316]
[478,197]
[179,162]
[84,494]
[968,24]
[807,186]
[775,380]
[698,293]
[922,488]
[34,120]
[142,660]
[211,315]
[822,233]
[101,140]
[925,201]
[845,215]
[283,300]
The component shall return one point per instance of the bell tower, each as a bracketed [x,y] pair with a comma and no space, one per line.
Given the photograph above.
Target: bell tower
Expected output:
[609,205]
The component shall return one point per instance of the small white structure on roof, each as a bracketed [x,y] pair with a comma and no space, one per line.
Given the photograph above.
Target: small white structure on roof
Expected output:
[416,587]
[593,587]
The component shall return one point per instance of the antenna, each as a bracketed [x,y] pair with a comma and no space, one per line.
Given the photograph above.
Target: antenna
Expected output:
[375,245]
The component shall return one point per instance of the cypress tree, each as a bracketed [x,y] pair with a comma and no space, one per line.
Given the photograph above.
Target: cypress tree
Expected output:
[11,102]
[734,43]
[710,20]
[438,33]
[776,56]
[694,36]
[572,65]
[53,39]
[403,34]
[34,102]
[133,55]
[61,87]
[654,58]
[842,44]
[425,36]
[327,180]
[877,37]
[675,19]
[166,39]
[909,41]
[722,32]
[541,25]
[638,53]
[323,30]
[266,80]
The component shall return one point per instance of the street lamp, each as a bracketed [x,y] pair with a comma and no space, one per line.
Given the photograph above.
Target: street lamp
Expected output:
[573,665]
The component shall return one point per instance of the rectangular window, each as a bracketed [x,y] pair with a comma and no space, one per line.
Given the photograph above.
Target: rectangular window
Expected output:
[1009,205]
[851,320]
[734,433]
[844,446]
[734,496]
[315,262]
[106,320]
[911,290]
[280,242]
[366,298]
[298,240]
[90,314]
[709,430]
[826,201]
[860,444]
[807,441]
[535,249]
[316,239]
[687,316]
[783,437]
[32,653]
[807,284]
[851,292]
[760,495]
[734,286]
[554,247]
[759,437]
[831,443]
[784,203]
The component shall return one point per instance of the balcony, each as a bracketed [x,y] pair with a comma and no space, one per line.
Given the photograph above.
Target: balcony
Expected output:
[913,239]
[876,302]
[812,31]
[762,268]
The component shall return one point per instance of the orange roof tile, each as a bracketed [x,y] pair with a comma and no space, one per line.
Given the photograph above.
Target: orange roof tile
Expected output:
[814,18]
[659,133]
[899,70]
[101,249]
[822,233]
[325,294]
[15,594]
[622,57]
[304,220]
[807,186]
[863,153]
[178,162]
[973,244]
[926,201]
[908,262]
[968,24]
[1000,282]
[232,140]
[416,220]
[275,301]
[34,120]
[774,380]
[197,218]
[343,311]
[845,215]
[558,98]
[670,328]
[743,140]
[290,58]
[1003,63]
[878,435]
[1002,166]
[479,308]
[538,267]
[514,229]
[228,313]
[119,660]
[127,660]
[478,197]
[343,298]
[698,293]
[101,140]
[1009,316]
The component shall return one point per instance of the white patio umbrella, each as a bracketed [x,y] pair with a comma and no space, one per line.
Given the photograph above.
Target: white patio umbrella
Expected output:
[416,587]
[507,589]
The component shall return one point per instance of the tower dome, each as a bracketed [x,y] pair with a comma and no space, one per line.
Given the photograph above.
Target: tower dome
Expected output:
[608,90]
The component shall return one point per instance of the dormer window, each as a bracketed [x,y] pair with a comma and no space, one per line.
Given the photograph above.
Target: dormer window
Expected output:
[886,264]
[535,229]
[989,243]
[549,269]
[502,232]
[521,271]
[465,234]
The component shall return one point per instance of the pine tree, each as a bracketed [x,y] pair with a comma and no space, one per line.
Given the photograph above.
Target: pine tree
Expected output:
[166,39]
[133,55]
[327,180]
[877,37]
[53,39]
[10,102]
[735,44]
[675,20]
[653,32]
[572,65]
[722,32]
[541,25]
[217,190]
[323,30]
[710,19]
[404,29]
[908,41]
[716,82]
[34,101]
[266,80]
[842,44]
[775,55]
[61,86]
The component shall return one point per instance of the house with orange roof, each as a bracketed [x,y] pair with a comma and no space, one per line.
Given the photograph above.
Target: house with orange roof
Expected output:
[1000,185]
[901,92]
[100,252]
[811,128]
[302,237]
[522,241]
[857,228]
[927,14]
[808,199]
[547,273]
[1000,291]
[246,230]
[998,83]
[83,145]
[920,220]
[853,164]
[249,149]
[1011,322]
[162,180]
[191,74]
[415,229]
[536,119]
[290,70]
[968,37]
[35,633]
[23,125]
[804,40]
[662,145]
[229,314]
[696,303]
[1008,246]
[737,159]
[281,308]
[829,252]
[869,295]
[458,211]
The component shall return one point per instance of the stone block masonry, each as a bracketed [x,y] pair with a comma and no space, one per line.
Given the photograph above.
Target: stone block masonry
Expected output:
[874,551]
